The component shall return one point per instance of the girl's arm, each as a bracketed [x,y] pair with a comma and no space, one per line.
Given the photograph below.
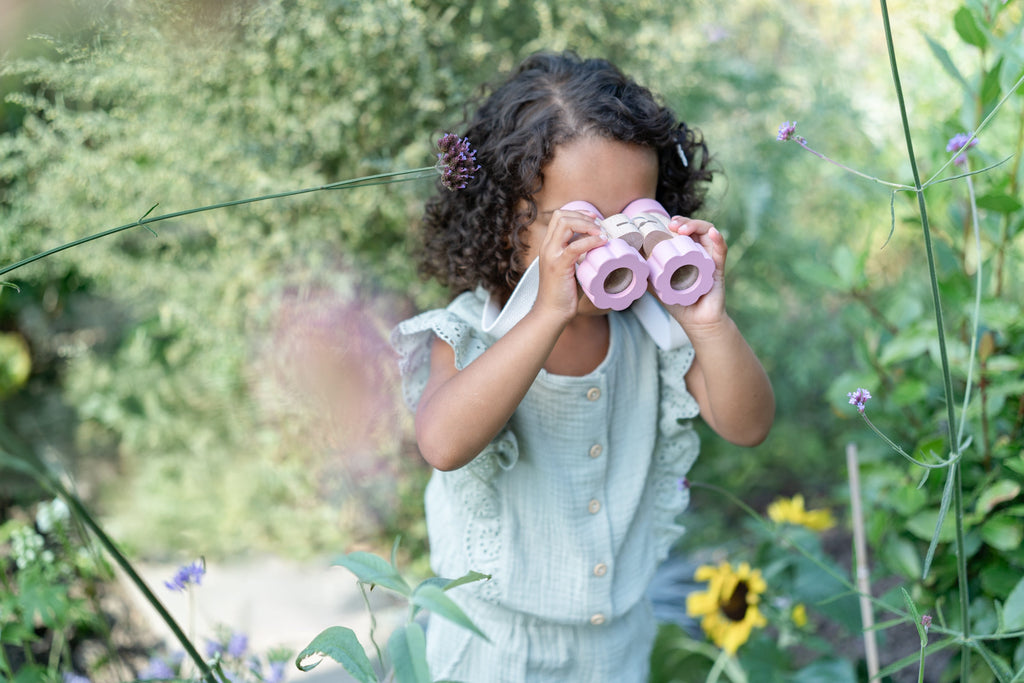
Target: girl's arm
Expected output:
[726,378]
[461,411]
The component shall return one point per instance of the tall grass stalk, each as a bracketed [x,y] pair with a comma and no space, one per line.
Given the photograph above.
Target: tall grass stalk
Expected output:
[951,423]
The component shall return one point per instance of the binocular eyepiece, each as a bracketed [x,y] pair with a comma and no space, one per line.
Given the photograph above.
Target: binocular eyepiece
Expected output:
[642,249]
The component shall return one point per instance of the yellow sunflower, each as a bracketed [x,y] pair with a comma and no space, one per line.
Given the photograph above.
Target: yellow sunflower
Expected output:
[791,511]
[728,607]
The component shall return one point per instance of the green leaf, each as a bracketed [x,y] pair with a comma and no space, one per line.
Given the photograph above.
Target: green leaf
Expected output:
[375,571]
[901,555]
[467,578]
[1013,608]
[433,599]
[968,29]
[941,526]
[947,63]
[408,650]
[1001,203]
[1001,491]
[340,644]
[1003,532]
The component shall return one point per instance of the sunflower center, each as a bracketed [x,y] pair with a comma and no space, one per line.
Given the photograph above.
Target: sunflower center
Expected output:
[735,608]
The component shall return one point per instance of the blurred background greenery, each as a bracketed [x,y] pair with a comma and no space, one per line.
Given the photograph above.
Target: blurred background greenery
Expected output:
[225,386]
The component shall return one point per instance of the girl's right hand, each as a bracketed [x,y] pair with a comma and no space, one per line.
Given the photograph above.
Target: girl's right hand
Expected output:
[569,236]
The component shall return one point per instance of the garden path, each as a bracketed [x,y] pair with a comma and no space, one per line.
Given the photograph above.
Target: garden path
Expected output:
[275,602]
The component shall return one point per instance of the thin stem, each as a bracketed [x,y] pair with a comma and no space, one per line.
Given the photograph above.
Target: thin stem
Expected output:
[947,377]
[379,179]
[898,186]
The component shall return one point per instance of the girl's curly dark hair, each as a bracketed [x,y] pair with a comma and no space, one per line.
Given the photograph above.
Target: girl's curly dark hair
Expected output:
[474,236]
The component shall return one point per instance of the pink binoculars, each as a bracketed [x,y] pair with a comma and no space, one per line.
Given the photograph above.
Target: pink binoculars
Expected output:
[641,249]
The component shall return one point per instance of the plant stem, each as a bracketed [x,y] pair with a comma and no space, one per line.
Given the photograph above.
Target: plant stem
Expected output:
[947,377]
[379,179]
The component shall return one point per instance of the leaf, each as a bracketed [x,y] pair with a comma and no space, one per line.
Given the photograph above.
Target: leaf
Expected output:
[374,570]
[1003,532]
[340,644]
[947,497]
[433,599]
[408,650]
[1013,608]
[467,578]
[1001,203]
[1000,492]
[968,29]
[947,63]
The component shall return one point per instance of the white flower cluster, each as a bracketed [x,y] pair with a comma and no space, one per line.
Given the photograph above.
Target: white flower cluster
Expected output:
[52,515]
[27,546]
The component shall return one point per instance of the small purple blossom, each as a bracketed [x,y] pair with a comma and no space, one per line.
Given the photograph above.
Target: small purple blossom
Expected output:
[456,161]
[859,398]
[213,648]
[157,669]
[961,141]
[276,674]
[237,644]
[189,574]
[926,622]
[786,132]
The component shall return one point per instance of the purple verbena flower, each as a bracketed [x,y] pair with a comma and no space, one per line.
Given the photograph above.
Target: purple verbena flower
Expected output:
[213,648]
[926,622]
[276,673]
[238,644]
[961,141]
[859,398]
[787,132]
[456,161]
[157,669]
[189,574]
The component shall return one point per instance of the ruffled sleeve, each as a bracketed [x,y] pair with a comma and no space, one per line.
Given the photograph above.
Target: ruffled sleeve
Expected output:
[677,447]
[459,326]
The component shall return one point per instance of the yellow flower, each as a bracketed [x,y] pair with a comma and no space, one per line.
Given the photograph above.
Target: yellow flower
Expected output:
[728,608]
[792,511]
[799,615]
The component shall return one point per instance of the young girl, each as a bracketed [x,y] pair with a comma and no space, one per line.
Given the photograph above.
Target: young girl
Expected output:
[560,433]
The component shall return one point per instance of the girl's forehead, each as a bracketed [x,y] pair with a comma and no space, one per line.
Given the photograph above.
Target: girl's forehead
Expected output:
[606,173]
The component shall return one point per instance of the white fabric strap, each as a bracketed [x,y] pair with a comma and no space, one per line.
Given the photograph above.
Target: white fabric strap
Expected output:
[662,327]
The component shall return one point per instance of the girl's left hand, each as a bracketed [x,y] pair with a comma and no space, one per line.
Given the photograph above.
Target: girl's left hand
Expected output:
[710,308]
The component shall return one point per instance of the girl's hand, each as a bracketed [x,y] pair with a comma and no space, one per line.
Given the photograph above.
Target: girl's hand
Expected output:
[710,308]
[570,235]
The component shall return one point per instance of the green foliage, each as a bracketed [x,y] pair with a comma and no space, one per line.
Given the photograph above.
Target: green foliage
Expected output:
[48,583]
[407,651]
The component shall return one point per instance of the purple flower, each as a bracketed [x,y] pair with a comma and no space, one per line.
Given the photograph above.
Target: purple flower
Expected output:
[926,622]
[238,644]
[276,674]
[189,574]
[456,161]
[157,669]
[786,132]
[961,141]
[859,398]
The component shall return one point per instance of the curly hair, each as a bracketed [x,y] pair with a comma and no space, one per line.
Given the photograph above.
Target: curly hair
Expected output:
[475,236]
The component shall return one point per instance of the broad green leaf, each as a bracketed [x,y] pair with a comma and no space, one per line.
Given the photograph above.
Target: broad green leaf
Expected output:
[1003,532]
[340,644]
[1001,491]
[374,570]
[968,29]
[433,599]
[1001,203]
[408,650]
[901,555]
[1013,608]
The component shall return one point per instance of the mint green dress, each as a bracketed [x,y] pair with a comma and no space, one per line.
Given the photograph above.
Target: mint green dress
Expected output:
[570,508]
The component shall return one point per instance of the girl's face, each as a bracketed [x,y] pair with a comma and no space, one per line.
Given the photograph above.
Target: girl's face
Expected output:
[606,173]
